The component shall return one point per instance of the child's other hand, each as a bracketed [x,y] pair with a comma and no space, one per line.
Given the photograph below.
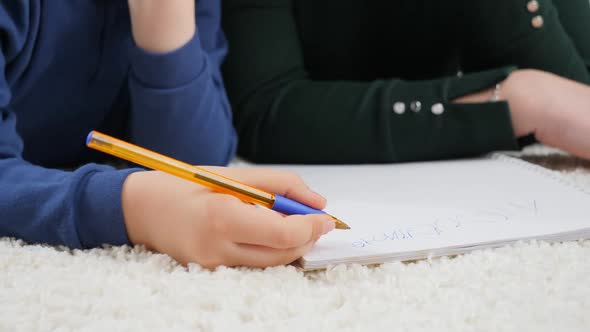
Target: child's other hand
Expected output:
[162,25]
[194,225]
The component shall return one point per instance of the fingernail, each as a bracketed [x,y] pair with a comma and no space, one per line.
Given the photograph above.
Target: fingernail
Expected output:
[316,193]
[329,226]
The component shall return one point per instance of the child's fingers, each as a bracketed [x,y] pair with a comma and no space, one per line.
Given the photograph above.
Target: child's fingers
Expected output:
[292,186]
[283,183]
[246,224]
[258,256]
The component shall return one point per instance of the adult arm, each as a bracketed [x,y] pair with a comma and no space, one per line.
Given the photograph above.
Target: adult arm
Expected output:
[575,17]
[283,115]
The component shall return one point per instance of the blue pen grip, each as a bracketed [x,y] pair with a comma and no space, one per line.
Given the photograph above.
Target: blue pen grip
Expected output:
[290,207]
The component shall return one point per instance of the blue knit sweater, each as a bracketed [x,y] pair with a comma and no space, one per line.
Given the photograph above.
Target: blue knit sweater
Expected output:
[70,66]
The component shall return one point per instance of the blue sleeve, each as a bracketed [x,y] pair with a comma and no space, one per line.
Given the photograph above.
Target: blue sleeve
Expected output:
[179,105]
[80,209]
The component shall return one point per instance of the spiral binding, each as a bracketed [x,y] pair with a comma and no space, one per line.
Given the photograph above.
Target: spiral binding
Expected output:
[555,175]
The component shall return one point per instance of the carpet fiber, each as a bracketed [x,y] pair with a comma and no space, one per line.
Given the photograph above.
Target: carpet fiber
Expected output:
[532,286]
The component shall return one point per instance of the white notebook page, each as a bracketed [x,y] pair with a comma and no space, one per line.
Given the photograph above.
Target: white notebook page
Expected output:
[407,211]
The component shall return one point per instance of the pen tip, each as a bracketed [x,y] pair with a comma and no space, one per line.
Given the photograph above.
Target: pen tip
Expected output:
[339,223]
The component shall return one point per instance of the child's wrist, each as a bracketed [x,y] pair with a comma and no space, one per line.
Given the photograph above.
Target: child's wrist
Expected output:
[132,205]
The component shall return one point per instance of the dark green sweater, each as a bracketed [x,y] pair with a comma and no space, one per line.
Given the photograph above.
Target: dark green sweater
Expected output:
[336,81]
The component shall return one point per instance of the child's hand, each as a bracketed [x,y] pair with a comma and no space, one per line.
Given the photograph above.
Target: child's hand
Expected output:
[194,225]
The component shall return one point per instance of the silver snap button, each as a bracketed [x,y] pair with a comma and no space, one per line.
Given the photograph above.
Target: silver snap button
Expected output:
[416,106]
[437,109]
[537,22]
[532,6]
[399,108]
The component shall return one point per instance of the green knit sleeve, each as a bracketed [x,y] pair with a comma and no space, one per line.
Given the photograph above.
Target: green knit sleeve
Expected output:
[549,35]
[575,18]
[284,116]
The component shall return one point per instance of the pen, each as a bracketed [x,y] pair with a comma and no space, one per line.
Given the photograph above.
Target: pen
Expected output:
[216,182]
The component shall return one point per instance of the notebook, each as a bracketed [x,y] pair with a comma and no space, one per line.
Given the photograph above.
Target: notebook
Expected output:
[413,211]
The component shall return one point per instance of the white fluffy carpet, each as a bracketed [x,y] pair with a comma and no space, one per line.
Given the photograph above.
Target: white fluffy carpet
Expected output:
[527,287]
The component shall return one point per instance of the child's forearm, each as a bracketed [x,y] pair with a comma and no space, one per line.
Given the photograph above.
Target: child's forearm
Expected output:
[178,101]
[162,25]
[80,209]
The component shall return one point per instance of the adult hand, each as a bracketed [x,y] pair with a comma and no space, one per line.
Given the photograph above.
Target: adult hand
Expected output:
[555,109]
